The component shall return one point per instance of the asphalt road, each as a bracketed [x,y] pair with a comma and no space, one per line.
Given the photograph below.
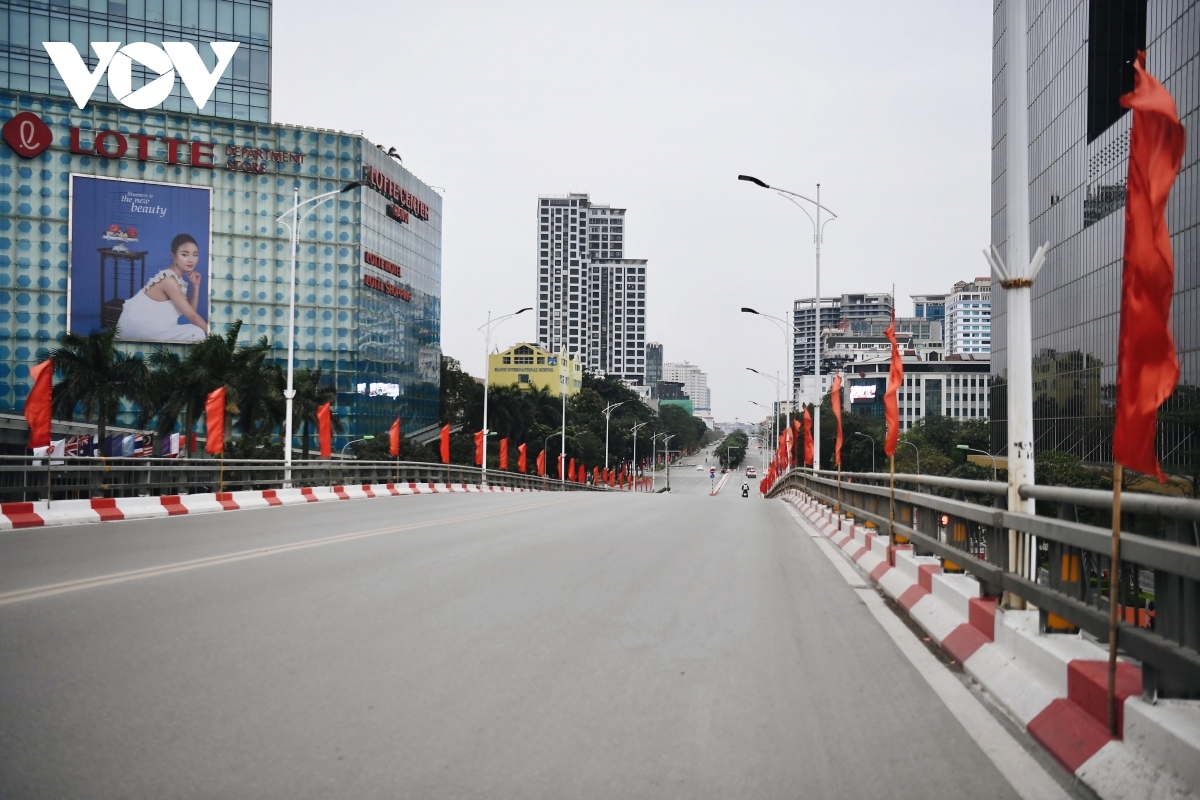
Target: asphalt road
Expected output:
[461,646]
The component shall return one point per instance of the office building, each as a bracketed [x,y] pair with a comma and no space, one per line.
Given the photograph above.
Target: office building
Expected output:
[834,310]
[1079,56]
[929,306]
[591,301]
[528,366]
[654,363]
[242,93]
[954,387]
[969,317]
[694,380]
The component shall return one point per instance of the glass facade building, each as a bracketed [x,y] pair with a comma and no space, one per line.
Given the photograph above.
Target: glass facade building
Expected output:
[1079,65]
[243,92]
[368,294]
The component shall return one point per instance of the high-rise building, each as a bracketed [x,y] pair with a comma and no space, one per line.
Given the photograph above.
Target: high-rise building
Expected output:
[243,91]
[969,317]
[654,363]
[929,306]
[591,301]
[1078,66]
[833,311]
[694,380]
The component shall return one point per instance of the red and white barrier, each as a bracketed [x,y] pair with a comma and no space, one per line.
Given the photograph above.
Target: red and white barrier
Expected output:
[114,509]
[1055,685]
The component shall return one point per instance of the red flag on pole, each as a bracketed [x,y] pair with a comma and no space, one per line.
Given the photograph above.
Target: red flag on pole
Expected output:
[796,437]
[835,401]
[214,421]
[571,471]
[394,439]
[582,473]
[324,430]
[891,402]
[521,458]
[504,453]
[37,404]
[1147,368]
[541,464]
[808,440]
[478,448]
[595,476]
[445,444]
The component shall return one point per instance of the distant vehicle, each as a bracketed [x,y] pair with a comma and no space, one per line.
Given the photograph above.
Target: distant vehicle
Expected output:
[751,472]
[700,467]
[745,490]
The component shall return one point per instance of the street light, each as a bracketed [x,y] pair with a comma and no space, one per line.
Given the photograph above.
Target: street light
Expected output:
[872,438]
[654,458]
[546,442]
[818,235]
[981,452]
[290,392]
[347,444]
[914,447]
[608,413]
[775,416]
[784,326]
[634,431]
[667,451]
[487,375]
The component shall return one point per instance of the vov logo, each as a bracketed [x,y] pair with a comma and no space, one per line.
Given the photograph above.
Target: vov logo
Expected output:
[118,61]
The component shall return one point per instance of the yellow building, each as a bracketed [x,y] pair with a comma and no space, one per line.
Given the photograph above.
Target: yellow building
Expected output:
[530,367]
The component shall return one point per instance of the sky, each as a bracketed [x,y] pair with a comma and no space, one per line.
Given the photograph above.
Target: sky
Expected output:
[657,107]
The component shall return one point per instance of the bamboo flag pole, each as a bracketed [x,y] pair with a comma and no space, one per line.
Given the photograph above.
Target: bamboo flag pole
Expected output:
[892,501]
[1114,581]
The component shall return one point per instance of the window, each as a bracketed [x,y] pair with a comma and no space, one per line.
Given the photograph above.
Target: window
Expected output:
[1116,31]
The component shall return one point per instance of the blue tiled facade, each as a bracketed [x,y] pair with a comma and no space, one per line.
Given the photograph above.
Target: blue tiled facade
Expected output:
[359,335]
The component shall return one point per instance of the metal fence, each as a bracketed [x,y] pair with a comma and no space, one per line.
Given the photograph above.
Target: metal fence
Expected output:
[24,478]
[1059,564]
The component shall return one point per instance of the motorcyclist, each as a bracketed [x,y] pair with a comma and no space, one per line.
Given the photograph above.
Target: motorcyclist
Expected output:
[745,489]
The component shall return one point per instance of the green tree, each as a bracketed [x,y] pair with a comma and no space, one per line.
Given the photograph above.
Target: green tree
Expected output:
[312,393]
[96,376]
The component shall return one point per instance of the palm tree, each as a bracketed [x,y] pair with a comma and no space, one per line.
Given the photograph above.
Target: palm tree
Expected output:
[181,384]
[96,375]
[311,394]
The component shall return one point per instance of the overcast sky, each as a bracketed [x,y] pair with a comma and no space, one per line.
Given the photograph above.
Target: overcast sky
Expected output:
[657,107]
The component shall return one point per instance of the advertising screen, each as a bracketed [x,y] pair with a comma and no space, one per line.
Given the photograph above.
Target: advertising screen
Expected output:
[861,394]
[139,259]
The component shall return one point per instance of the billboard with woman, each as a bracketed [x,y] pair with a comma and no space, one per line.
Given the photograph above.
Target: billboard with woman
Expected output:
[139,259]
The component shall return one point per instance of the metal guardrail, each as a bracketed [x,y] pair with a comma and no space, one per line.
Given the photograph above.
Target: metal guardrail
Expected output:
[26,478]
[1060,565]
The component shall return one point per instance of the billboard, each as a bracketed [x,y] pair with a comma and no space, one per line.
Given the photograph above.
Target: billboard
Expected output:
[139,259]
[862,393]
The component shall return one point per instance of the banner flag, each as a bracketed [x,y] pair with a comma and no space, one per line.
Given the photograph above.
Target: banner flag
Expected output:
[214,421]
[521,458]
[394,438]
[835,400]
[445,444]
[504,453]
[891,402]
[37,404]
[325,430]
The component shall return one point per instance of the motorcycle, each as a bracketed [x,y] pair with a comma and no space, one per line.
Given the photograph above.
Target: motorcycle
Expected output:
[745,490]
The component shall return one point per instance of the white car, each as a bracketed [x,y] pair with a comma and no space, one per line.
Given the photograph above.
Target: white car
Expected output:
[700,467]
[751,472]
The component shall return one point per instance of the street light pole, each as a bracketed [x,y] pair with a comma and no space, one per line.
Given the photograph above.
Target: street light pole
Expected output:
[347,444]
[667,451]
[654,459]
[914,447]
[290,392]
[775,416]
[872,438]
[487,375]
[607,414]
[818,236]
[784,326]
[983,452]
[634,431]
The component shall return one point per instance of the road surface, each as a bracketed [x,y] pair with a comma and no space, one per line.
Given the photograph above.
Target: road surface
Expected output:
[571,645]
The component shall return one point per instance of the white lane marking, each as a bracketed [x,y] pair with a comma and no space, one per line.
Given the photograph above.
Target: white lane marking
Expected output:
[796,516]
[50,590]
[1021,770]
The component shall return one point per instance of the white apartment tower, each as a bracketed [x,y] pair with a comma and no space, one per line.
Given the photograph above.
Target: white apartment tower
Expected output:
[591,301]
[969,317]
[694,380]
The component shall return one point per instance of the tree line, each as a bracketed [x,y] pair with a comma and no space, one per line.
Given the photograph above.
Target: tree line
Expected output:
[166,392]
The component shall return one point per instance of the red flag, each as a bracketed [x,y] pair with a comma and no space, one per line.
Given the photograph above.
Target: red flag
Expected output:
[571,471]
[891,402]
[445,444]
[582,473]
[796,436]
[37,404]
[504,453]
[214,420]
[808,440]
[835,401]
[595,476]
[521,458]
[394,438]
[478,448]
[324,430]
[541,464]
[1147,368]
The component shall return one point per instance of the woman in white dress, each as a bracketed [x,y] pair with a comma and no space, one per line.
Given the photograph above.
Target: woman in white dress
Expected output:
[152,314]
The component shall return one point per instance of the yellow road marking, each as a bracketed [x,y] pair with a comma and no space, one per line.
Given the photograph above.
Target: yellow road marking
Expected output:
[50,590]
